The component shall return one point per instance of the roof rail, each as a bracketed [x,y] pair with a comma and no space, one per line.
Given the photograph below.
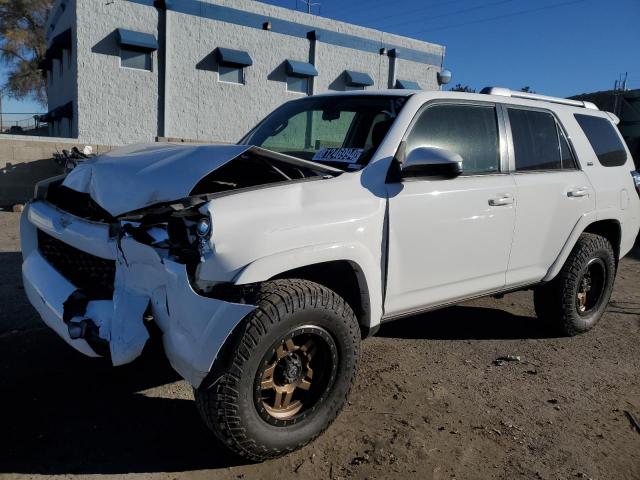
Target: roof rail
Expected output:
[505,92]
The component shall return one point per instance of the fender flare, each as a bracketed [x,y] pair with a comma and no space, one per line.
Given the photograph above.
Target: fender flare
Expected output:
[367,270]
[581,225]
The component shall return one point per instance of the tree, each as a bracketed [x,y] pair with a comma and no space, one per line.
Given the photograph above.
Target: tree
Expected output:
[460,88]
[23,46]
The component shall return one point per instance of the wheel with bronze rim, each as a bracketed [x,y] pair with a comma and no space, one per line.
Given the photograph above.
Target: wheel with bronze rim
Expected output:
[576,299]
[285,373]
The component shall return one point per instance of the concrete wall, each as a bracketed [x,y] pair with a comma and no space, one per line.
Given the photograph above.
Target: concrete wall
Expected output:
[117,105]
[24,161]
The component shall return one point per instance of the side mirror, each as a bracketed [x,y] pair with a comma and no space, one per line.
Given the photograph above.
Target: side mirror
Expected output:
[431,162]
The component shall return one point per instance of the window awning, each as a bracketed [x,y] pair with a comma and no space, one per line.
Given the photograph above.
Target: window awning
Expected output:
[46,64]
[357,79]
[141,41]
[59,43]
[233,58]
[300,69]
[408,85]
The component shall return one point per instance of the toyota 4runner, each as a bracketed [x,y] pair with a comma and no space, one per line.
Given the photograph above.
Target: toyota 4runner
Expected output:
[263,264]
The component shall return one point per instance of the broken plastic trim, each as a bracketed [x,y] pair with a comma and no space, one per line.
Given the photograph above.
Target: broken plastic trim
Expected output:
[74,315]
[172,231]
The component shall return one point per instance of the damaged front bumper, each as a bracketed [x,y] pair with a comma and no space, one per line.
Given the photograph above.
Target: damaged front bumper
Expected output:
[194,327]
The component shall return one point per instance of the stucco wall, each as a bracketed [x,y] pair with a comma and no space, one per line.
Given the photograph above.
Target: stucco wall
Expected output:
[118,106]
[201,107]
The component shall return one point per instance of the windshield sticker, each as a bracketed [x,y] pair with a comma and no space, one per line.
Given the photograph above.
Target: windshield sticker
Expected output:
[345,155]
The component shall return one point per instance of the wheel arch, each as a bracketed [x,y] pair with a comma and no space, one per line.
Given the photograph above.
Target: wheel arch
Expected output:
[609,228]
[346,269]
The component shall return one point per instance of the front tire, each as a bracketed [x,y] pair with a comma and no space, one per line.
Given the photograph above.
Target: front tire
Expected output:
[576,299]
[284,376]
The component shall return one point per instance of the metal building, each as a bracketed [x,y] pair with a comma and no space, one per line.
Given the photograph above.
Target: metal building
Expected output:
[127,71]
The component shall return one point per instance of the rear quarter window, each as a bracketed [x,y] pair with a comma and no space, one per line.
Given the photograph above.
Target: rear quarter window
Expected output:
[604,140]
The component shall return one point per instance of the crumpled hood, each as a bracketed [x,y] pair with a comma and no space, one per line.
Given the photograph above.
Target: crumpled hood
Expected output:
[134,177]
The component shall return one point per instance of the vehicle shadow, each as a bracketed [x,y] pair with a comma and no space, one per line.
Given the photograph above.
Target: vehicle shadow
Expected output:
[463,322]
[15,311]
[63,413]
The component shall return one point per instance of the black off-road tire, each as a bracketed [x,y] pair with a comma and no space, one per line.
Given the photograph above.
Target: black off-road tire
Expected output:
[226,399]
[556,302]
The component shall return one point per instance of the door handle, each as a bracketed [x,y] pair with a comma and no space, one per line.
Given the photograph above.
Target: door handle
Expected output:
[502,200]
[578,192]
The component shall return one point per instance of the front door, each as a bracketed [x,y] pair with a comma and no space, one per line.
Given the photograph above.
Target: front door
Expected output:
[451,238]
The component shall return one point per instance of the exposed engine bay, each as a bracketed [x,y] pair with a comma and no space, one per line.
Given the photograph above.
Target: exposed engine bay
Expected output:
[178,230]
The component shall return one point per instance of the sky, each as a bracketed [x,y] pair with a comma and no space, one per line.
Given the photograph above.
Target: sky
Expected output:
[556,47]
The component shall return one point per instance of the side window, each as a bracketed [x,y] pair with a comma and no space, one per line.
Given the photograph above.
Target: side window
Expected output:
[538,142]
[566,157]
[468,130]
[604,140]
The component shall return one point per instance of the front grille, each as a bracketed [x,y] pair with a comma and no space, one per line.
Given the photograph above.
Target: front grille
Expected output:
[92,274]
[77,203]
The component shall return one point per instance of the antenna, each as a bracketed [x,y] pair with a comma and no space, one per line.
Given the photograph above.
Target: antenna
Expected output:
[310,4]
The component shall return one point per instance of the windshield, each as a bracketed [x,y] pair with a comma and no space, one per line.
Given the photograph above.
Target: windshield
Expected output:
[340,131]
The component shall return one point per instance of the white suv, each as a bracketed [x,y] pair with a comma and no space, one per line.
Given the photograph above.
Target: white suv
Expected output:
[263,264]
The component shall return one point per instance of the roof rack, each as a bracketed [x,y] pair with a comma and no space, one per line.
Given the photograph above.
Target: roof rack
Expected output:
[505,92]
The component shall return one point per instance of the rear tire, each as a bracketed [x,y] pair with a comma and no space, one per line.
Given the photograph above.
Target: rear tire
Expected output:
[576,299]
[302,338]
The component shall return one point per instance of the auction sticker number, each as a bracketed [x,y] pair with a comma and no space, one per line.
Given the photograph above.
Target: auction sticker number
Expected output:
[345,155]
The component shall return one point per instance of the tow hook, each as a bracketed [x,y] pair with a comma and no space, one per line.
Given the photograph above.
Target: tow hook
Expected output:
[78,329]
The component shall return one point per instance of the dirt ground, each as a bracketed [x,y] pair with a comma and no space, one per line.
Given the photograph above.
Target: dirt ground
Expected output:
[428,403]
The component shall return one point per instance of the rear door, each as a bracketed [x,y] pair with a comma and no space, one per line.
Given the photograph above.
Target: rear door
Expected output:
[552,193]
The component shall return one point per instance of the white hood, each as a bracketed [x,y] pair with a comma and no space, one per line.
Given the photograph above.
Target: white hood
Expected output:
[134,177]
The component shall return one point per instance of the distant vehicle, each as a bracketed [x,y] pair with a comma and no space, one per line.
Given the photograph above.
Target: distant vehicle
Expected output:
[263,264]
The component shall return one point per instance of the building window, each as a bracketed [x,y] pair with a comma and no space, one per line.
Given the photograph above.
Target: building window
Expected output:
[136,48]
[299,75]
[135,58]
[231,65]
[298,84]
[68,57]
[61,65]
[231,74]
